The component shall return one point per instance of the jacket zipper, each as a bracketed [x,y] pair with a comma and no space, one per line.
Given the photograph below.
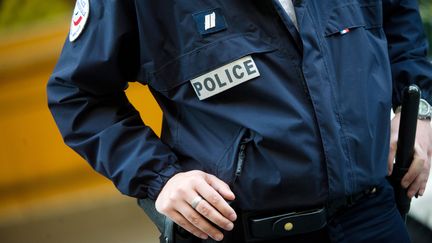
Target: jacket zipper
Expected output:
[240,159]
[241,155]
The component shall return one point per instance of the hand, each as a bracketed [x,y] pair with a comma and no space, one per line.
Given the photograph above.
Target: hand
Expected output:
[175,199]
[417,176]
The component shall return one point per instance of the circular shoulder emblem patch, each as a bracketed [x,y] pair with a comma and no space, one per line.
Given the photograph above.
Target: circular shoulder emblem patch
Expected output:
[79,19]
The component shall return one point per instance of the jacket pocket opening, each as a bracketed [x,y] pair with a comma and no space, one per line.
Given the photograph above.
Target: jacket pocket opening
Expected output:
[353,16]
[241,154]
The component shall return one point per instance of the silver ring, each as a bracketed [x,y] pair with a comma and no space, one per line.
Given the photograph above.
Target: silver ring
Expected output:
[196,201]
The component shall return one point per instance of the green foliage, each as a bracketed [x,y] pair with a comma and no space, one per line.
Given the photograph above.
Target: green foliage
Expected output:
[20,13]
[426,13]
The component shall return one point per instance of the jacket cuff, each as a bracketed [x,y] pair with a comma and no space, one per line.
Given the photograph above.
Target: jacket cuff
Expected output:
[159,182]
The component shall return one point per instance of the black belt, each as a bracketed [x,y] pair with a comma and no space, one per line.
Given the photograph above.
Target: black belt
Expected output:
[259,227]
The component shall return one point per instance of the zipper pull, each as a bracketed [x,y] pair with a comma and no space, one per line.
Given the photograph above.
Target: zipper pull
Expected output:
[241,157]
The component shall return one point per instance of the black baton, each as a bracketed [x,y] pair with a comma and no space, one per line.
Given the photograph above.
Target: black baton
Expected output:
[405,146]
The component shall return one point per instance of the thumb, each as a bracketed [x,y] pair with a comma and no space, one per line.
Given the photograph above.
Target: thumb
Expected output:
[392,152]
[391,157]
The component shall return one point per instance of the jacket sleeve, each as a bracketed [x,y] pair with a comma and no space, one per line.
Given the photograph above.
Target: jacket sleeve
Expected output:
[86,97]
[407,46]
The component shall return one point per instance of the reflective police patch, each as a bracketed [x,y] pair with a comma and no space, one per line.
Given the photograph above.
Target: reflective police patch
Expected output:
[225,77]
[210,21]
[79,19]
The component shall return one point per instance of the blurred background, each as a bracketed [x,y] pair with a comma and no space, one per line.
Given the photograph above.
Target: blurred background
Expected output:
[48,193]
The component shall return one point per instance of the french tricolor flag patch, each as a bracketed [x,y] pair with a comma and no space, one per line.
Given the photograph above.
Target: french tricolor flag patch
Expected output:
[344,31]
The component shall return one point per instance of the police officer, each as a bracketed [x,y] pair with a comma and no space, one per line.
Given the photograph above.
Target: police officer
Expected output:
[276,113]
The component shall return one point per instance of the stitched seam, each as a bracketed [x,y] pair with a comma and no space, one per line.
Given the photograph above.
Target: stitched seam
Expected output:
[336,110]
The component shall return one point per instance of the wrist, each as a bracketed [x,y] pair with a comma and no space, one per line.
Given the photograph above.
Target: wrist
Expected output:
[424,111]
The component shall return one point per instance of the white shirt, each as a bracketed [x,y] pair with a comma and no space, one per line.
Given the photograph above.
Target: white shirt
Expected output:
[289,9]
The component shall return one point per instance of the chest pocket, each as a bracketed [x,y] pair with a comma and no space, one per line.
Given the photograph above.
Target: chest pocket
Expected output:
[355,41]
[346,18]
[172,78]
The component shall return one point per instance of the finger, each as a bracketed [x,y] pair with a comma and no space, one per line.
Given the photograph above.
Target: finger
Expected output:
[199,222]
[216,201]
[206,210]
[223,189]
[185,224]
[422,190]
[414,188]
[419,185]
[220,186]
[209,212]
[426,172]
[415,168]
[413,172]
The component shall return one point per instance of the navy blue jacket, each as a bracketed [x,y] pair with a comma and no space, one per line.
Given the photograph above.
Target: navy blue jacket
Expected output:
[314,126]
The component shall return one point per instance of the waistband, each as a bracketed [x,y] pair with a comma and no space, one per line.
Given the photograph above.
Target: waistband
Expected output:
[258,226]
